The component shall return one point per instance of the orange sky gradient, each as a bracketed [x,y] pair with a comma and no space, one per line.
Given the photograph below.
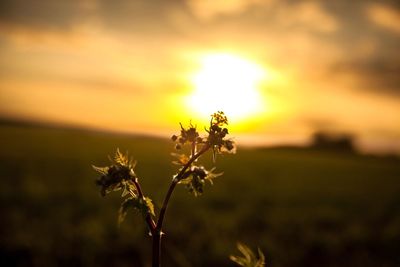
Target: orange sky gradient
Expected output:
[129,66]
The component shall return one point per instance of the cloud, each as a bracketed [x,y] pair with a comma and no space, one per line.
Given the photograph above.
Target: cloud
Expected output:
[379,74]
[384,16]
[44,14]
[209,9]
[145,18]
[129,17]
[310,15]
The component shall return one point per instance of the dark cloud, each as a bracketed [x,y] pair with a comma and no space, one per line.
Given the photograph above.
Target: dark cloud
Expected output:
[129,16]
[43,14]
[379,75]
[144,17]
[377,70]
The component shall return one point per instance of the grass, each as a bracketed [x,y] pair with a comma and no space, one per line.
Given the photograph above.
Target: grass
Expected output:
[302,207]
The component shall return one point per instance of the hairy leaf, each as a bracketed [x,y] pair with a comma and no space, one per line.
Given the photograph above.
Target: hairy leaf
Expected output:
[149,207]
[128,189]
[123,210]
[248,258]
[144,206]
[123,160]
[101,170]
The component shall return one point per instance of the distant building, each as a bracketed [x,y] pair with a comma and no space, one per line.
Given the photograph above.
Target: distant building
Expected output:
[327,141]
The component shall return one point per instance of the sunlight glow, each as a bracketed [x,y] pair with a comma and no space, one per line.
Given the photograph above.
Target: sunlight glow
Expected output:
[228,83]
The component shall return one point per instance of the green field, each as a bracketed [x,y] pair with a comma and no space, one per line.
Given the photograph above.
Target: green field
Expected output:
[302,207]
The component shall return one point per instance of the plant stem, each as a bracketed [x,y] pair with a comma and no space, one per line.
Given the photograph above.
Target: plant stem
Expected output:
[156,249]
[150,223]
[157,233]
[173,184]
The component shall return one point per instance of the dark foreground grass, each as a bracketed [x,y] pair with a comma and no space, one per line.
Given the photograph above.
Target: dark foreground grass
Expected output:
[302,207]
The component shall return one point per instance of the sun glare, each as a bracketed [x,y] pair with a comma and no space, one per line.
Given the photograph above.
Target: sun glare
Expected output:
[228,83]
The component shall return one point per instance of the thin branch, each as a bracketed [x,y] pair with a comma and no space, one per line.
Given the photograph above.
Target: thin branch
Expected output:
[150,223]
[174,183]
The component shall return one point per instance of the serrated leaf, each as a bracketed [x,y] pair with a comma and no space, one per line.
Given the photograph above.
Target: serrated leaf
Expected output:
[123,160]
[123,210]
[143,205]
[120,158]
[102,170]
[149,206]
[249,259]
[125,192]
[111,188]
[128,188]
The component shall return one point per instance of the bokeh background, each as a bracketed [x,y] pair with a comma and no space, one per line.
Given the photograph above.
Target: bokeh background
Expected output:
[312,91]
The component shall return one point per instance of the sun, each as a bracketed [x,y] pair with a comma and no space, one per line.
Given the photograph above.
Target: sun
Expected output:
[228,83]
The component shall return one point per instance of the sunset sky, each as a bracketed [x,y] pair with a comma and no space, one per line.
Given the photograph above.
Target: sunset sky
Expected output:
[281,70]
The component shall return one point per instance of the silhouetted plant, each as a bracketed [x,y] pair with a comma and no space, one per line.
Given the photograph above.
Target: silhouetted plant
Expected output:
[120,175]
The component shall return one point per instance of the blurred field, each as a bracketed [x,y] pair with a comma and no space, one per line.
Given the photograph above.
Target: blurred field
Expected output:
[302,207]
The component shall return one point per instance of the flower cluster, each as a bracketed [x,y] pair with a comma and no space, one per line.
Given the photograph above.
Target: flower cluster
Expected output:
[216,138]
[196,177]
[217,133]
[189,135]
[119,175]
[193,176]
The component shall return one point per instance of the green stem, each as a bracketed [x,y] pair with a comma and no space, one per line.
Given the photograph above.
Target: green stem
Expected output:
[150,223]
[177,178]
[157,233]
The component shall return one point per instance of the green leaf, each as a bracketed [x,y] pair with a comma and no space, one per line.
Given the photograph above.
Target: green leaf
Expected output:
[101,170]
[143,205]
[123,160]
[123,210]
[149,207]
[128,188]
[248,258]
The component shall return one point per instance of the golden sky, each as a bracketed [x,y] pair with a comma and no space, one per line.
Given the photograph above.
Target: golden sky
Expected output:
[141,66]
